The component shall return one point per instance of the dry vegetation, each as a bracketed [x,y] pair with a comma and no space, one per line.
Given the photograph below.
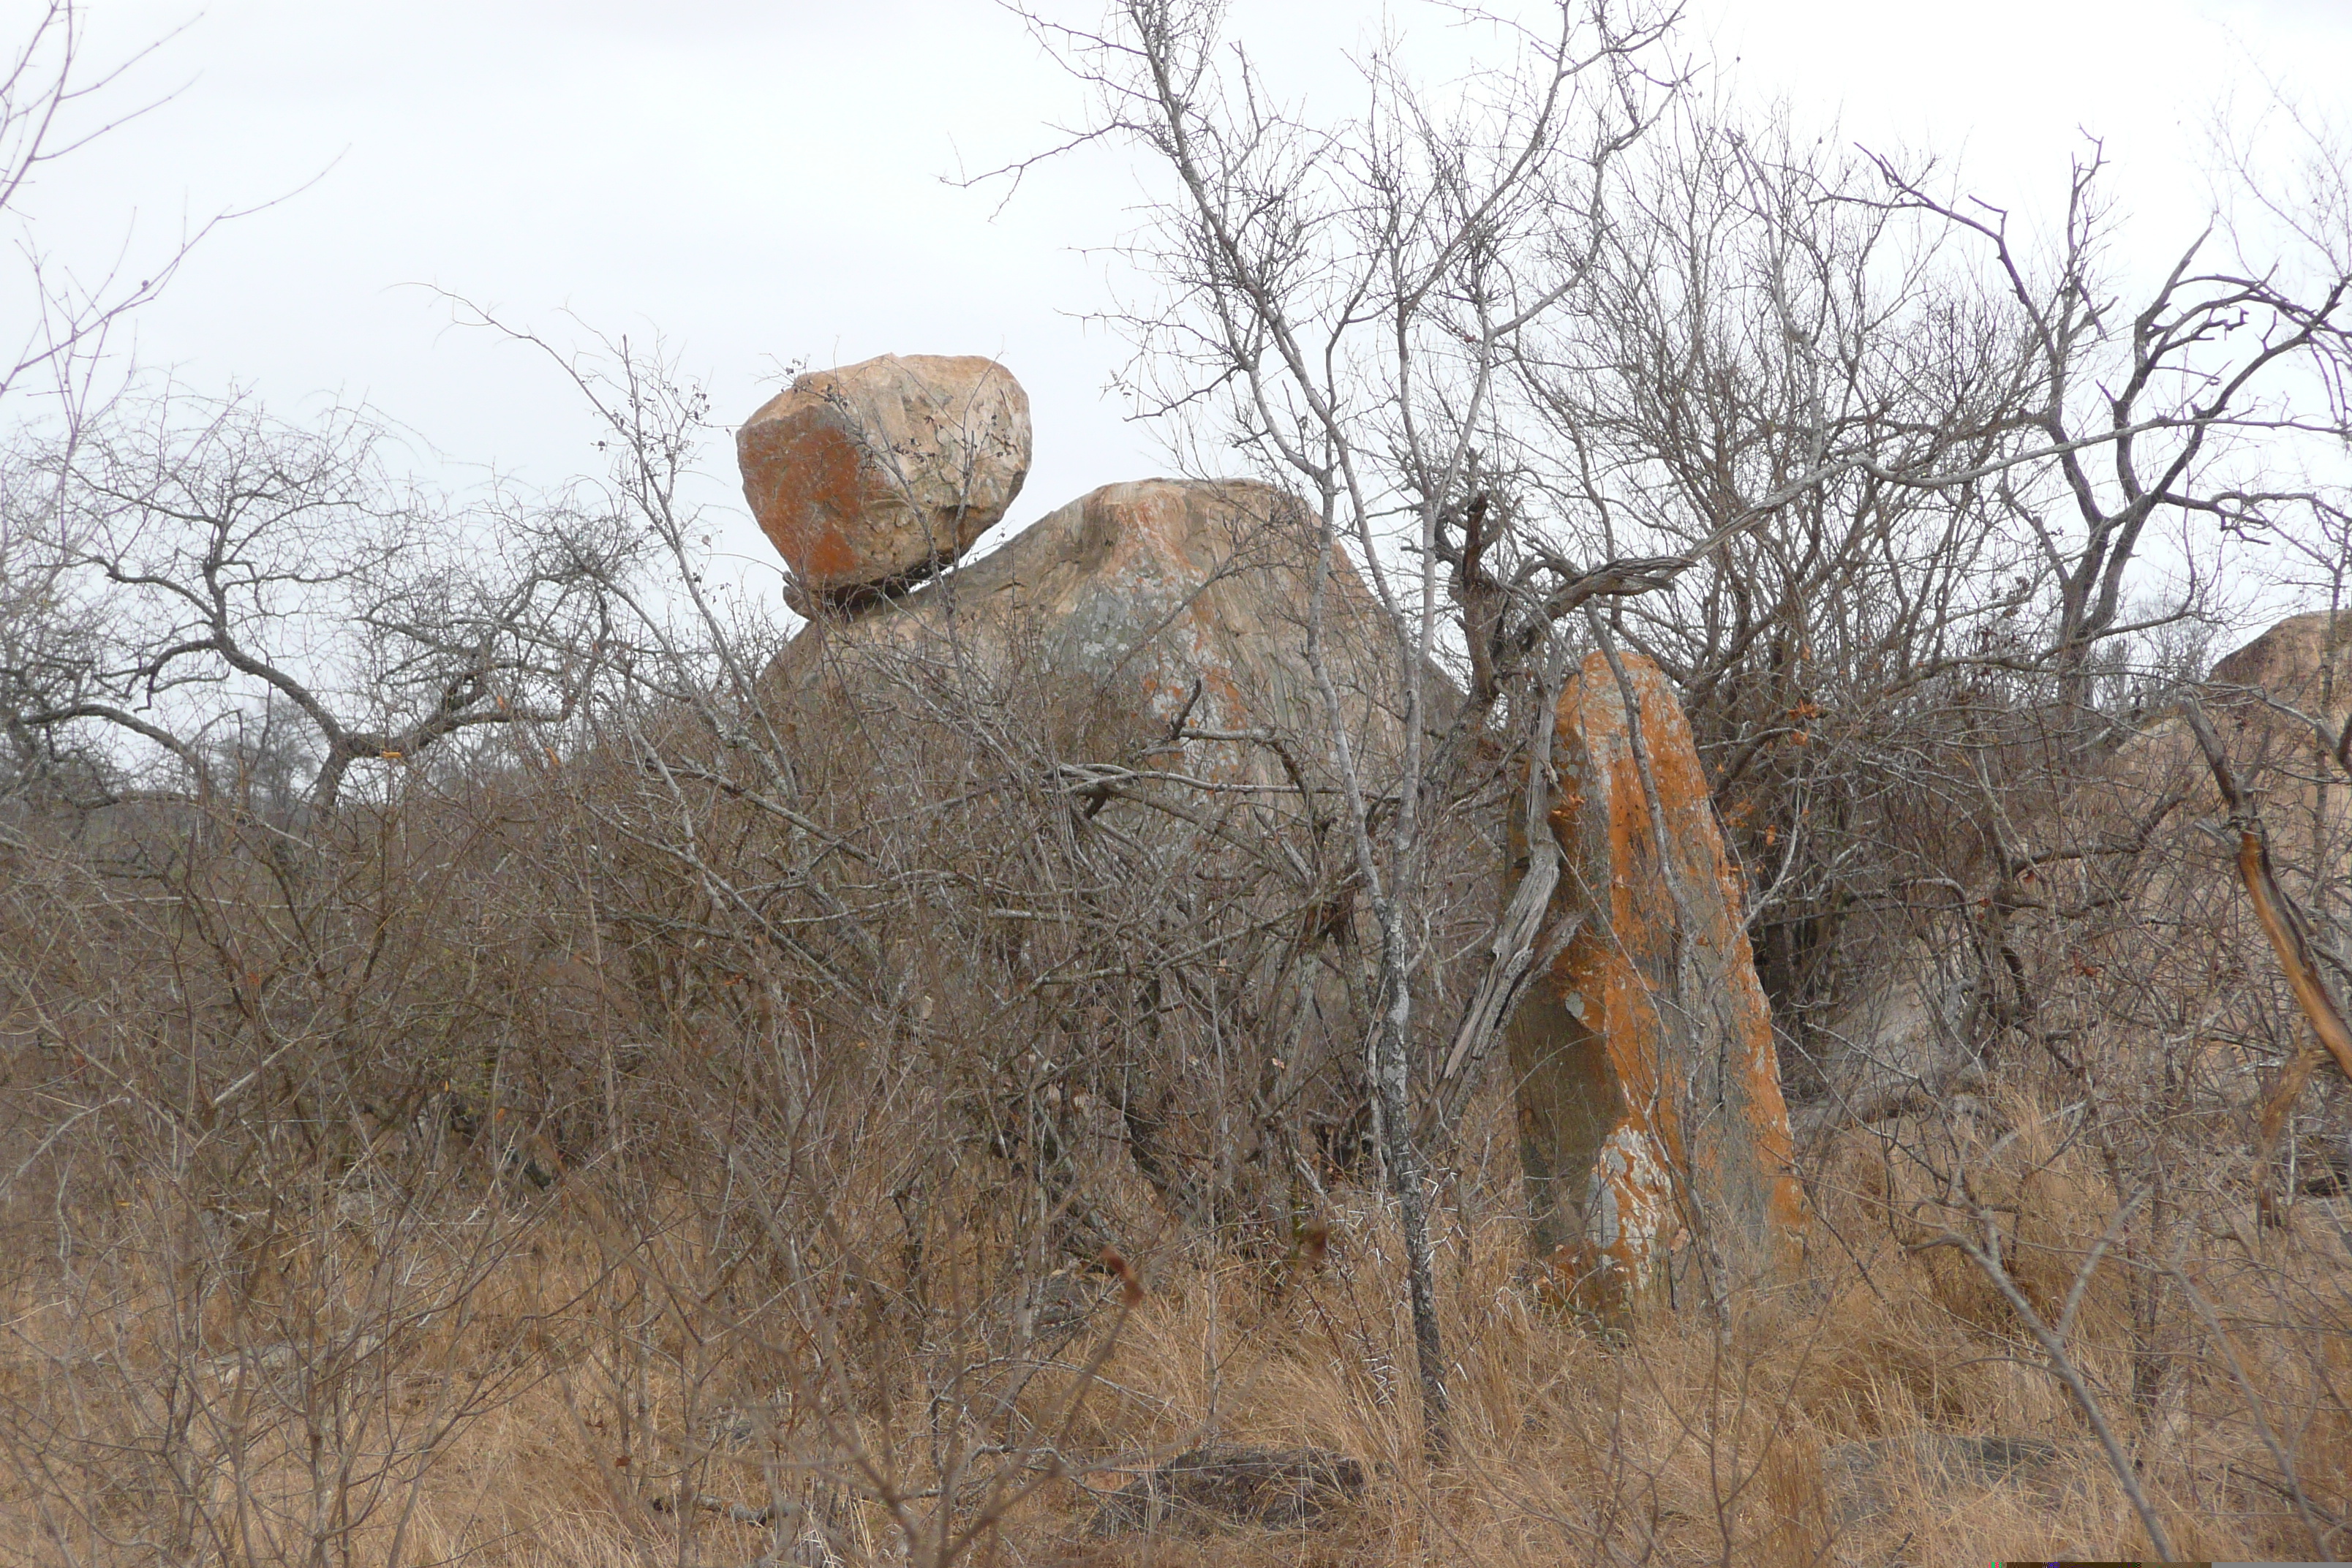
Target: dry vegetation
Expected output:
[493,1071]
[525,1158]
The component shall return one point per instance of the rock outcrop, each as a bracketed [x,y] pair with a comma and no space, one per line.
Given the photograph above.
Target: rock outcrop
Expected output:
[1143,603]
[1154,635]
[1895,1041]
[879,473]
[2304,660]
[1141,653]
[1652,1126]
[2264,699]
[2157,901]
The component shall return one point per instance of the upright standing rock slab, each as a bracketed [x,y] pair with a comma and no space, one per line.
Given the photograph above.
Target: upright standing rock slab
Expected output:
[1655,1137]
[878,473]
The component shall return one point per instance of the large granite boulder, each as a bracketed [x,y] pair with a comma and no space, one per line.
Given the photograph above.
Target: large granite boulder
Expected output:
[878,474]
[1128,677]
[2279,704]
[1650,1122]
[1145,604]
[2269,699]
[2304,662]
[2114,901]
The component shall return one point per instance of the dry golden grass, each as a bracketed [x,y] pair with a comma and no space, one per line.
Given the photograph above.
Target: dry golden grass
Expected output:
[547,1203]
[1801,1432]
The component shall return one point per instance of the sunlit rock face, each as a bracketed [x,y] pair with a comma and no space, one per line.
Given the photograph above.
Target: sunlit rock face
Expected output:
[879,473]
[1144,604]
[1652,1126]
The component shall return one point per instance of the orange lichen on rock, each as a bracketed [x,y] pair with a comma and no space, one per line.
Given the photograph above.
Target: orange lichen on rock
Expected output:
[1655,1137]
[882,471]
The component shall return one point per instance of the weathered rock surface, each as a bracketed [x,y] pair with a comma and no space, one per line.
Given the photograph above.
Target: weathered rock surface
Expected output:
[1142,652]
[1909,1033]
[881,472]
[1226,1483]
[1651,1120]
[2304,660]
[1896,1041]
[2278,706]
[1142,602]
[2302,665]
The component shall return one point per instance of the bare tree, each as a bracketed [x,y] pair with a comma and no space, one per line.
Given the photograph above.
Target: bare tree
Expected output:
[1577,342]
[220,566]
[1352,293]
[55,101]
[2179,396]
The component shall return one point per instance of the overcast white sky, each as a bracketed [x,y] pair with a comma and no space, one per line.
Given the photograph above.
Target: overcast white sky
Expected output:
[761,182]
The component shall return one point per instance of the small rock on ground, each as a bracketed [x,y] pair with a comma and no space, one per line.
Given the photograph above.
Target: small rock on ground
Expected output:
[1858,1472]
[1229,1483]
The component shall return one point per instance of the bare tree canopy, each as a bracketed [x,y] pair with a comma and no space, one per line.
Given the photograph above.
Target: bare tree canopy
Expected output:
[231,567]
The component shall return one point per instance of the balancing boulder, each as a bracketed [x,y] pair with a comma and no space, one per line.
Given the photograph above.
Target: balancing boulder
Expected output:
[876,475]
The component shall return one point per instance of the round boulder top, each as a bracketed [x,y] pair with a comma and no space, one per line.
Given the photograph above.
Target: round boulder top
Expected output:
[878,474]
[2292,659]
